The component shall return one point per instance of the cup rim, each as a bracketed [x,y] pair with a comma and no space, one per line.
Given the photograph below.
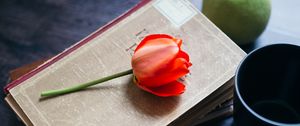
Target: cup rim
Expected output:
[237,91]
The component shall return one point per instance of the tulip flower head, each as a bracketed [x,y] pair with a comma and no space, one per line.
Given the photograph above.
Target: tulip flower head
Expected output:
[158,62]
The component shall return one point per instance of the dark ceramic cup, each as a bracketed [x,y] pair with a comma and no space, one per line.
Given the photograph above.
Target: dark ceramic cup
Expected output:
[267,87]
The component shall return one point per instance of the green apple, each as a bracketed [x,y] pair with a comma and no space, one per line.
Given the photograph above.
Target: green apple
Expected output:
[242,20]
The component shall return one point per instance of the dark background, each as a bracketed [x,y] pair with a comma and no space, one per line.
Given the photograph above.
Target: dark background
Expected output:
[34,29]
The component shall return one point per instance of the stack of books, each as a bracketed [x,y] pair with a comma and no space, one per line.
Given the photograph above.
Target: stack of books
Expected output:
[119,102]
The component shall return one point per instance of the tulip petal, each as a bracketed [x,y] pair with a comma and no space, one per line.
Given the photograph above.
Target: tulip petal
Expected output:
[178,42]
[162,76]
[148,60]
[174,88]
[184,55]
[146,40]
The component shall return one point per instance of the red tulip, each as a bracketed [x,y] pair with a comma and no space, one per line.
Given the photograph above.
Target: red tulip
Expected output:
[158,62]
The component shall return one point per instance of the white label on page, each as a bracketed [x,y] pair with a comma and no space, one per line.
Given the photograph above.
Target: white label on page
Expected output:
[177,11]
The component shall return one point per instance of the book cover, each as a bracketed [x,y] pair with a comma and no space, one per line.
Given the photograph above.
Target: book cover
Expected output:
[108,50]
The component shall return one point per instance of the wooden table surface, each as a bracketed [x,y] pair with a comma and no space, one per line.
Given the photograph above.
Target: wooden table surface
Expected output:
[32,29]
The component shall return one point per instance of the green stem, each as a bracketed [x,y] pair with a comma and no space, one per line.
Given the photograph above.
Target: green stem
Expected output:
[84,85]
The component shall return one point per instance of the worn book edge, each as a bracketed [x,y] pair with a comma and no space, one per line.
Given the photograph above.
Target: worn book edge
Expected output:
[17,109]
[195,114]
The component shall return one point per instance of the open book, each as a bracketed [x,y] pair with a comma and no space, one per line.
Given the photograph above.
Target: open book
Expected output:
[119,101]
